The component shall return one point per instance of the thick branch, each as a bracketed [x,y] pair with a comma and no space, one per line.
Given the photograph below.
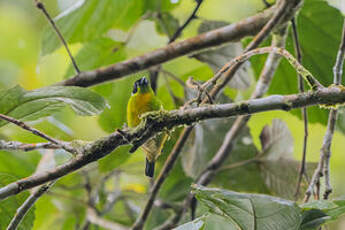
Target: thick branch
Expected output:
[159,121]
[233,32]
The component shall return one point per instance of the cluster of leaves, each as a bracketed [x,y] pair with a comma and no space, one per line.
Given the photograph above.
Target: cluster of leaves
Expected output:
[104,31]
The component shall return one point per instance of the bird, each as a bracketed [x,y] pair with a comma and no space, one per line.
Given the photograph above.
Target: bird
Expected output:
[144,100]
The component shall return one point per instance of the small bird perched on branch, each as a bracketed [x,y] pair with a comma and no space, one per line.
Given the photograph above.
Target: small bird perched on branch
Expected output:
[144,100]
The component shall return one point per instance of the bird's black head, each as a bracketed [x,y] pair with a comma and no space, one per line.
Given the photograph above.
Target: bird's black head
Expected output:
[142,85]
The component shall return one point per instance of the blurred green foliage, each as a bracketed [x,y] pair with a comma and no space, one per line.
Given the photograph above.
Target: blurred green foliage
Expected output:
[101,33]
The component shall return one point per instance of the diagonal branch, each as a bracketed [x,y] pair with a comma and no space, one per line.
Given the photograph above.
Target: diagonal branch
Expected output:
[156,122]
[233,32]
[41,7]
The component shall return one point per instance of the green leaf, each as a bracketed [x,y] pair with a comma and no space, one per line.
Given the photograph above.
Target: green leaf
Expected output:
[278,167]
[30,105]
[166,24]
[98,53]
[204,143]
[9,206]
[197,224]
[88,20]
[250,211]
[319,212]
[218,57]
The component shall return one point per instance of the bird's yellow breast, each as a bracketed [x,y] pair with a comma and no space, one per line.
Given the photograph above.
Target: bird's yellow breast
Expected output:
[138,104]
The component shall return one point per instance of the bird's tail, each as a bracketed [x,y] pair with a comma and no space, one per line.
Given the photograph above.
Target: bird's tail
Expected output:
[150,168]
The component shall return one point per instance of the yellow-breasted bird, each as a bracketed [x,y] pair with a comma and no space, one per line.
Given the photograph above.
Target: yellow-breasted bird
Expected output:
[144,100]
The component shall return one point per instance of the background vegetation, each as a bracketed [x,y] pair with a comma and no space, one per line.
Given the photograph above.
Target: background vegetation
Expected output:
[104,32]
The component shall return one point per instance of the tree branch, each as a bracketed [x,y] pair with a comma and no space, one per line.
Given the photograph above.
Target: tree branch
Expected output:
[156,122]
[233,32]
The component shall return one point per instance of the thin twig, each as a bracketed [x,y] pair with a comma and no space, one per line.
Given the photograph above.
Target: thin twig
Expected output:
[41,7]
[325,152]
[298,52]
[15,145]
[190,18]
[28,203]
[37,133]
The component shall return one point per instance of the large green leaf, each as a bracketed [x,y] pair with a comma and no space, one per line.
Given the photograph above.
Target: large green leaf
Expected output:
[98,53]
[30,105]
[90,19]
[259,212]
[278,167]
[251,211]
